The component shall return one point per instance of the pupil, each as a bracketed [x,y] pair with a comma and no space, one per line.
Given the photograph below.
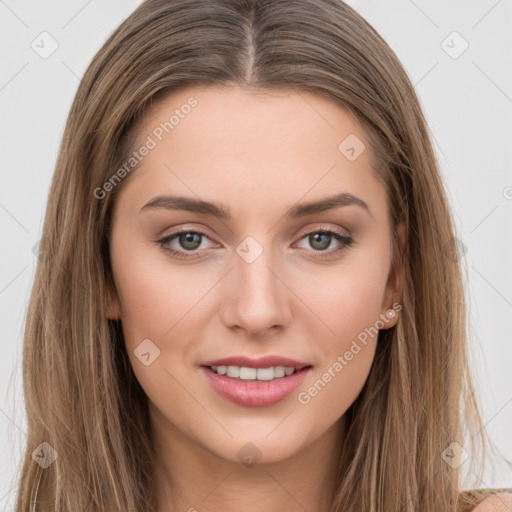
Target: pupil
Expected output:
[188,238]
[326,238]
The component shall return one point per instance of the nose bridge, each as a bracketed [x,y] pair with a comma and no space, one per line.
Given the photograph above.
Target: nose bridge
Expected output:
[252,268]
[257,299]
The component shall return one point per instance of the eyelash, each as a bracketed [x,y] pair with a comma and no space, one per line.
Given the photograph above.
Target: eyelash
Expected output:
[347,241]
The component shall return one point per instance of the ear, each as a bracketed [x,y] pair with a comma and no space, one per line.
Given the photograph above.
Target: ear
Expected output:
[111,305]
[391,304]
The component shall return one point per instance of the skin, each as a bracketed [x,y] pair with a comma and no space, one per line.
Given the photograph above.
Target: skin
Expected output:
[499,502]
[259,154]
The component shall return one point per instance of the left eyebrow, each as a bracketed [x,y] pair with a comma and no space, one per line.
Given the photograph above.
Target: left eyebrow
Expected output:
[220,210]
[329,203]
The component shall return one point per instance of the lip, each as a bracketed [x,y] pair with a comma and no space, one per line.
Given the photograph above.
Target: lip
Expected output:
[261,362]
[251,393]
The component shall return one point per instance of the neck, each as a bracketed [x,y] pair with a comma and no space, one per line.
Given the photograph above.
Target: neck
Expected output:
[191,477]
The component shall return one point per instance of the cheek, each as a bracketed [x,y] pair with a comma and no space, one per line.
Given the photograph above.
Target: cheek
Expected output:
[335,386]
[349,305]
[153,296]
[157,304]
[348,302]
[145,299]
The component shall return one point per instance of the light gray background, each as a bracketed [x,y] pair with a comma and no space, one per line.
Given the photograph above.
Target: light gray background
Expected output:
[468,104]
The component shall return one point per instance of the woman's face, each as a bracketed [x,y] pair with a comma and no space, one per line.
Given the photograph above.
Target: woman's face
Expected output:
[261,279]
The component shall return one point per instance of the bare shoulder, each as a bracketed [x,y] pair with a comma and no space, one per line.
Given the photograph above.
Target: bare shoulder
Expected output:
[498,502]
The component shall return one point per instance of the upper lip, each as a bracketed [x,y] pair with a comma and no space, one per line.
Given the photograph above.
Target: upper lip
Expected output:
[261,362]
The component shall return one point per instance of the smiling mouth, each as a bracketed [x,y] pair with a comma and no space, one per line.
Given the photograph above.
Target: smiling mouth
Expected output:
[255,387]
[244,373]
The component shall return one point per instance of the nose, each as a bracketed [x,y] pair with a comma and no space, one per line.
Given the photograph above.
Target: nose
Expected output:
[257,298]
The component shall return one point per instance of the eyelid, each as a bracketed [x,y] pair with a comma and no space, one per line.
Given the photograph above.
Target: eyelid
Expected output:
[326,228]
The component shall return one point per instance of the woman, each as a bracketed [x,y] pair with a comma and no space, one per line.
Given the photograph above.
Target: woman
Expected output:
[249,294]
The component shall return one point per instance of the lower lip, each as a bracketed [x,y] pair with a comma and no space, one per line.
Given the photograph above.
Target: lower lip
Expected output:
[255,393]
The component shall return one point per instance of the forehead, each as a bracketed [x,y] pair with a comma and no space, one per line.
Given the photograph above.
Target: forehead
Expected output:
[238,146]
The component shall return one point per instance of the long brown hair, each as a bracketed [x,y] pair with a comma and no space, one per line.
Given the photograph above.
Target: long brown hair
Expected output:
[82,397]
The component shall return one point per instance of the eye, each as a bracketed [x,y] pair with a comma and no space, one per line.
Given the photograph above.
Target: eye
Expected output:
[321,239]
[188,240]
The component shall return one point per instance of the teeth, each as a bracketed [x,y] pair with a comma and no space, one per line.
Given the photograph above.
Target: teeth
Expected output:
[245,373]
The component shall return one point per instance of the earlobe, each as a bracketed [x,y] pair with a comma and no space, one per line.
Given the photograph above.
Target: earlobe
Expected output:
[390,316]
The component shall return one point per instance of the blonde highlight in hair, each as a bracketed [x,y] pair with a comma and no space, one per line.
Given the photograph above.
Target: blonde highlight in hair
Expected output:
[82,397]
